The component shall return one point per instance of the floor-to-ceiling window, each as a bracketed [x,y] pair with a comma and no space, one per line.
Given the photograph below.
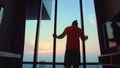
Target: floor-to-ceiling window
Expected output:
[90,25]
[30,32]
[90,29]
[67,12]
[45,41]
[45,49]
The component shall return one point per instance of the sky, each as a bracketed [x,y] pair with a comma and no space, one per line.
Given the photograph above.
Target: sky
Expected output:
[68,11]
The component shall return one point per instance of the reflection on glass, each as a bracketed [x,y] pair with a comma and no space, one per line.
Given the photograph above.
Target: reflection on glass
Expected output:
[116,31]
[1,14]
[111,32]
[109,35]
[30,33]
[48,5]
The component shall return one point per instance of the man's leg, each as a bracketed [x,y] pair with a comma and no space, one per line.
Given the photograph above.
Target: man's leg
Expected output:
[76,58]
[67,60]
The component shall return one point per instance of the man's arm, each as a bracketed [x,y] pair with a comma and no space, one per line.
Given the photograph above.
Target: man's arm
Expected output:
[60,36]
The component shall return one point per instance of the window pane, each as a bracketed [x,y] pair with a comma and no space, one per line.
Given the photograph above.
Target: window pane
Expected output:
[30,33]
[66,15]
[92,44]
[44,66]
[45,45]
[45,48]
[27,66]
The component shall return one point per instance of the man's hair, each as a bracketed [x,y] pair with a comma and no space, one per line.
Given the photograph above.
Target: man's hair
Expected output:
[75,23]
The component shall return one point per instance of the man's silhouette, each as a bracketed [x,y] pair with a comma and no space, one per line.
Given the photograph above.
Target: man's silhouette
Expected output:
[72,53]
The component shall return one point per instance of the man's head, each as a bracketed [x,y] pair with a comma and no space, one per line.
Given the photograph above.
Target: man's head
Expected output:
[75,23]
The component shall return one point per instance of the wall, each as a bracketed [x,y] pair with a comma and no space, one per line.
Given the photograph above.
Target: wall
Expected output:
[12,30]
[112,7]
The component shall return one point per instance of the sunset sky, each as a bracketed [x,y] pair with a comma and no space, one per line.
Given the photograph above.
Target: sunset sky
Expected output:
[68,11]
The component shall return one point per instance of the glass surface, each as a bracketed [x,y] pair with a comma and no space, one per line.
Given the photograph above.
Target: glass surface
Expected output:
[45,44]
[1,13]
[27,66]
[44,66]
[92,66]
[65,16]
[111,32]
[110,36]
[48,6]
[30,33]
[90,27]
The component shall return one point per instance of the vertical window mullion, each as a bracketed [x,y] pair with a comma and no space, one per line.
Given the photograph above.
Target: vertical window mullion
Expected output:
[83,42]
[37,36]
[54,42]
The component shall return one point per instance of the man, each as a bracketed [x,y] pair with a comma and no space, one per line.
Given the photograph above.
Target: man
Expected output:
[72,53]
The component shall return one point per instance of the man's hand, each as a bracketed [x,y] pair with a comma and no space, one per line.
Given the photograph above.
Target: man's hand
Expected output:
[54,35]
[83,38]
[86,37]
